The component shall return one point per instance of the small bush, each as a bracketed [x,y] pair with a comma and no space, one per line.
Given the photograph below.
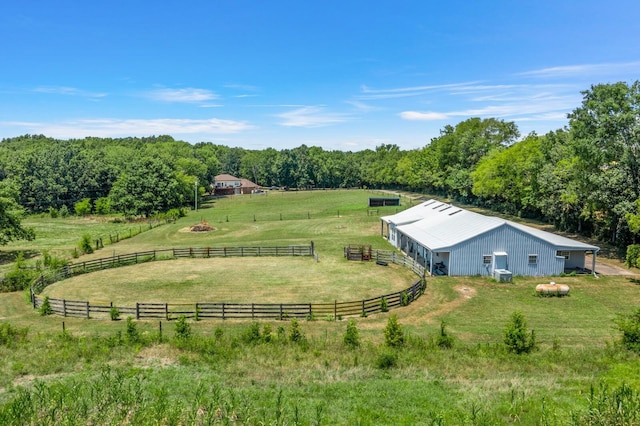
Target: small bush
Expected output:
[10,334]
[45,308]
[444,339]
[132,333]
[267,334]
[629,325]
[64,211]
[633,255]
[295,334]
[619,406]
[351,337]
[516,336]
[85,244]
[83,207]
[386,360]
[114,313]
[384,305]
[404,298]
[252,334]
[19,278]
[183,328]
[53,213]
[393,333]
[103,206]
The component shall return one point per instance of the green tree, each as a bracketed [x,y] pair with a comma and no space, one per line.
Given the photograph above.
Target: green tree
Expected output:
[83,207]
[351,337]
[147,187]
[393,333]
[516,336]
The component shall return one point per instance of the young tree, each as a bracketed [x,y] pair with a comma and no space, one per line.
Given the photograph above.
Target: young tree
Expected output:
[393,333]
[516,336]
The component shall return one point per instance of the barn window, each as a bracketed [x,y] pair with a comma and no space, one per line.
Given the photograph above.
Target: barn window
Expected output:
[563,253]
[486,259]
[533,259]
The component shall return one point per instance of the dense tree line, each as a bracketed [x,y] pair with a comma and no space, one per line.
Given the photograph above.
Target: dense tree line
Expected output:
[584,177]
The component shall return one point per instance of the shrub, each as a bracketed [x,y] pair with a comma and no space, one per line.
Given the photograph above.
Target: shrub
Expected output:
[252,334]
[45,308]
[64,211]
[53,262]
[267,334]
[444,339]
[85,244]
[633,256]
[10,334]
[103,205]
[630,327]
[404,298]
[295,334]
[351,336]
[516,337]
[132,333]
[393,333]
[53,212]
[183,328]
[384,305]
[386,360]
[19,278]
[114,313]
[83,207]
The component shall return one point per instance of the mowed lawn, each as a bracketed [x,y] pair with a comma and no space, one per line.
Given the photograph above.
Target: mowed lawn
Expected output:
[236,280]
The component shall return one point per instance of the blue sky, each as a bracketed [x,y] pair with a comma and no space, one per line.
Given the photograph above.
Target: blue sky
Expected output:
[344,75]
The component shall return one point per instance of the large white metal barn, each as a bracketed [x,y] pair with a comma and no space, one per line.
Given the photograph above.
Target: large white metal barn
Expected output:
[450,240]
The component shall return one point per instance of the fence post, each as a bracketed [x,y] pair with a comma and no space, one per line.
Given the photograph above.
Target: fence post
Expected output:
[335,310]
[363,311]
[281,312]
[160,330]
[137,310]
[223,311]
[166,312]
[87,307]
[64,307]
[252,311]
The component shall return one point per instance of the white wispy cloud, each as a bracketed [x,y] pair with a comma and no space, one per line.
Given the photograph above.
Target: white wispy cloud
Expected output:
[311,116]
[109,127]
[186,95]
[368,93]
[68,91]
[590,70]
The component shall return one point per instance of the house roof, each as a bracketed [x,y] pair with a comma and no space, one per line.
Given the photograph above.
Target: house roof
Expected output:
[439,226]
[224,177]
[246,183]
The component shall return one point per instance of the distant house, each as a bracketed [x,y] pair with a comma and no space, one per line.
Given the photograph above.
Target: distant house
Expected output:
[453,241]
[225,184]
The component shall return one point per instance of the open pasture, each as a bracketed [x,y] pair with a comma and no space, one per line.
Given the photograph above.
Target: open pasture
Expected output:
[321,381]
[235,280]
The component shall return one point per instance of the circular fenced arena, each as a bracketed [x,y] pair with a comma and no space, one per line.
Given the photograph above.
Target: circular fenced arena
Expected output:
[234,283]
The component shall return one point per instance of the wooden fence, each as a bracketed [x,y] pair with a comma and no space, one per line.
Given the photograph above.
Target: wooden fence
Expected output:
[279,311]
[117,261]
[200,310]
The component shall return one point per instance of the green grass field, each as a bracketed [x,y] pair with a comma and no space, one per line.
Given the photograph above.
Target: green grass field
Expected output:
[221,374]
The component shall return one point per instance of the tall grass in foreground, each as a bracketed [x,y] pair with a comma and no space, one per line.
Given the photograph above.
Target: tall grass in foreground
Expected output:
[279,373]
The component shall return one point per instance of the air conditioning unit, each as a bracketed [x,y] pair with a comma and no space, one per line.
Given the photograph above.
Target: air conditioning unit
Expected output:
[502,275]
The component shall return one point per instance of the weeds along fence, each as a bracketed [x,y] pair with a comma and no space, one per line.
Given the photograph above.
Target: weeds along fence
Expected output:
[202,310]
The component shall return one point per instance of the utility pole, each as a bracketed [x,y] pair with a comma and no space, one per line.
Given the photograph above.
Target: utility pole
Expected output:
[196,196]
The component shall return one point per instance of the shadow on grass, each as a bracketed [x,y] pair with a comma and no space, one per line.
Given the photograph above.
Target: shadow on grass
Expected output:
[7,257]
[635,281]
